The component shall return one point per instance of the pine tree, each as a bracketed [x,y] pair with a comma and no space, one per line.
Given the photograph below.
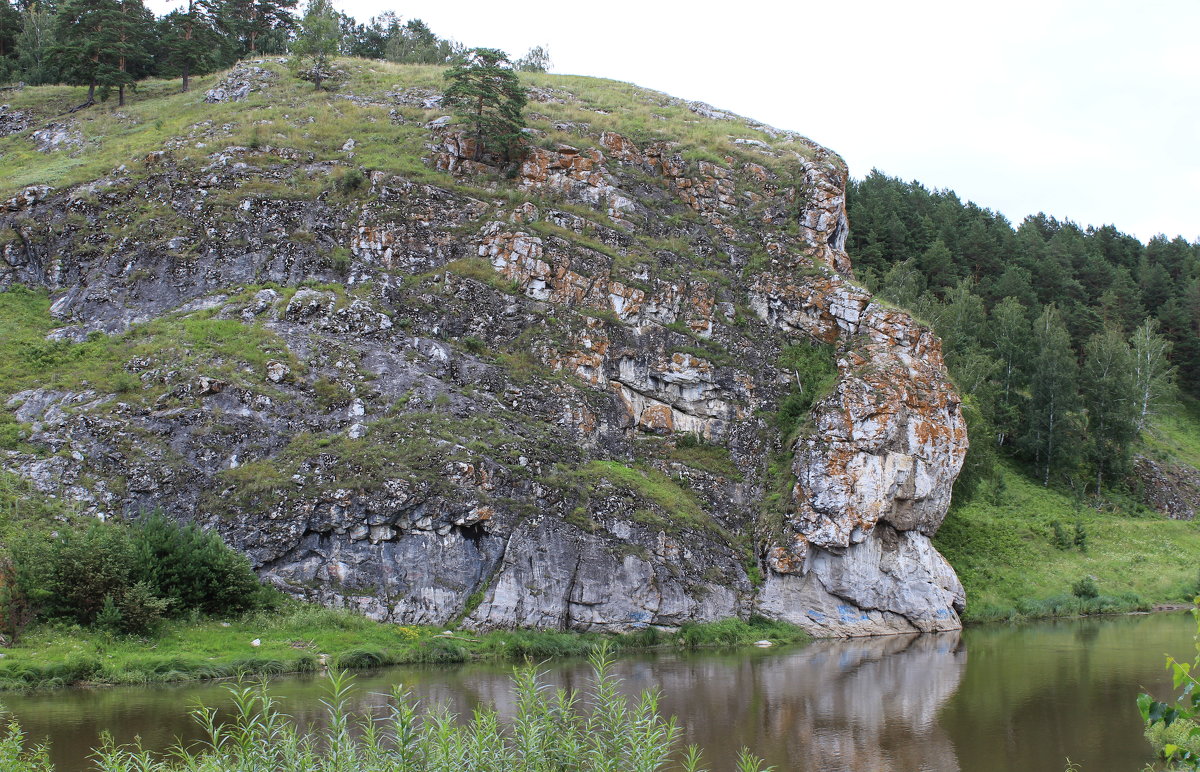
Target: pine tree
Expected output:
[1049,434]
[191,45]
[102,43]
[1108,391]
[126,55]
[486,91]
[78,29]
[317,43]
[937,264]
[250,20]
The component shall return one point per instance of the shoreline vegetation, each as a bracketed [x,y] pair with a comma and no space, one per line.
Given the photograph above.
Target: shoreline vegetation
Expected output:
[596,729]
[303,638]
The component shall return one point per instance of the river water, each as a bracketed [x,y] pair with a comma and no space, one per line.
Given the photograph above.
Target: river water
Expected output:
[1000,697]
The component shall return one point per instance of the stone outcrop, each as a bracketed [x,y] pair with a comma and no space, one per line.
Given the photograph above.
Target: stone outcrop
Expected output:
[55,137]
[12,121]
[1172,489]
[537,394]
[242,81]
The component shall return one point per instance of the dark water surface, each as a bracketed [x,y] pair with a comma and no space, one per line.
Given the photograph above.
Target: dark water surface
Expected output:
[995,698]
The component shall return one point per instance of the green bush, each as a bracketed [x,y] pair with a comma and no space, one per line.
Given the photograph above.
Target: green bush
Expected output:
[814,368]
[350,180]
[362,659]
[70,573]
[1085,588]
[191,567]
[126,579]
[1174,728]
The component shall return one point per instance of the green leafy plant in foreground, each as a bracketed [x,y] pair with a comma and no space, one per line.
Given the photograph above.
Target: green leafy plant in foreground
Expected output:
[1175,727]
[599,731]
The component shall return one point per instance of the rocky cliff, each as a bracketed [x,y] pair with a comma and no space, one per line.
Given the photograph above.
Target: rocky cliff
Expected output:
[434,388]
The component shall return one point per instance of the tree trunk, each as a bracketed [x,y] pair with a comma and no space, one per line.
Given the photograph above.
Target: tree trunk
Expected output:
[91,93]
[121,95]
[253,37]
[187,35]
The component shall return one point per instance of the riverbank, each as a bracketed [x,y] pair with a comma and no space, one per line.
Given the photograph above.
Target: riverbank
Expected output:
[1024,551]
[301,638]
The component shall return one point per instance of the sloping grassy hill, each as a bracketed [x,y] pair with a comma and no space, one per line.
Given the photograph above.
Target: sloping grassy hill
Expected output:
[1005,548]
[288,113]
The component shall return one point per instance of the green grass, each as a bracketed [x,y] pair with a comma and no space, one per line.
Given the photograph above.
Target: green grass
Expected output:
[277,116]
[1175,435]
[227,349]
[294,638]
[715,459]
[1002,546]
[289,114]
[677,507]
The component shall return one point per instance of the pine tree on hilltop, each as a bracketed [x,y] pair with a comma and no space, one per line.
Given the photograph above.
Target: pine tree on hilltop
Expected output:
[102,43]
[250,20]
[191,45]
[126,55]
[317,43]
[79,28]
[486,91]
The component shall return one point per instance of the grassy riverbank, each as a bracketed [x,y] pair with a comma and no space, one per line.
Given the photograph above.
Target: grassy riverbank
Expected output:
[297,638]
[1015,563]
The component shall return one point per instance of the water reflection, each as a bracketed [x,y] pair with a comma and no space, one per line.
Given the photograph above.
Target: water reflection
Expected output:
[1027,698]
[862,704]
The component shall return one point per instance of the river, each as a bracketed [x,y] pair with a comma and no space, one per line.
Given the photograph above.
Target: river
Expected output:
[998,697]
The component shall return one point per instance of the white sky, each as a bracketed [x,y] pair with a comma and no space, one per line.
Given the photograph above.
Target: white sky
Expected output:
[1084,109]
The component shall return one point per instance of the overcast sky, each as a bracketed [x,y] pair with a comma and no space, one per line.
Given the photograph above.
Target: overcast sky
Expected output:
[1084,109]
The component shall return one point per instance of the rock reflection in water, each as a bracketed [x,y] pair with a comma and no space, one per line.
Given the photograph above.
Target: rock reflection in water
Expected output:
[1029,697]
[859,704]
[862,704]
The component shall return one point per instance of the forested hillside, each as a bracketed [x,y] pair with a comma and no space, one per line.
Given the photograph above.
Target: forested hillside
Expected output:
[1068,340]
[1078,355]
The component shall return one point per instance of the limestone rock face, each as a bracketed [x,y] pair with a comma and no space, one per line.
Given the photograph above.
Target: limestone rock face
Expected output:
[243,80]
[534,394]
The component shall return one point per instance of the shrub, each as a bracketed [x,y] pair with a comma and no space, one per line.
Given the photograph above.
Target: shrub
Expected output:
[815,371]
[1178,738]
[1061,540]
[350,180]
[142,610]
[126,579]
[1085,588]
[70,575]
[361,659]
[191,567]
[16,611]
[1081,537]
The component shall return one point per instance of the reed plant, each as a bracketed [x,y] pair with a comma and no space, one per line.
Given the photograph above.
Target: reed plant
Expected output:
[551,730]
